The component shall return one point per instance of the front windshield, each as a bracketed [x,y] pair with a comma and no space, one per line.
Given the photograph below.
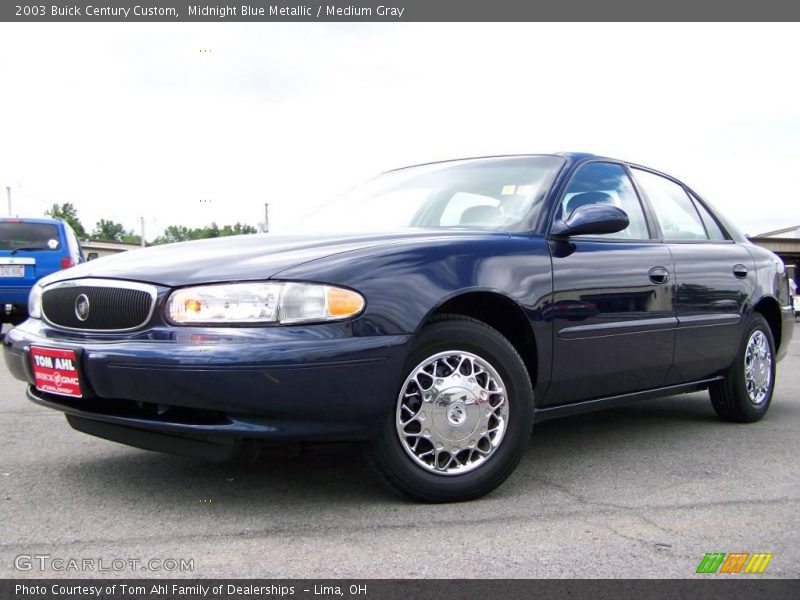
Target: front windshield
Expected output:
[504,193]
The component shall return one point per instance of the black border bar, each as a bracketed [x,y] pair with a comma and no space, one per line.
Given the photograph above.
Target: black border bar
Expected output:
[396,10]
[711,587]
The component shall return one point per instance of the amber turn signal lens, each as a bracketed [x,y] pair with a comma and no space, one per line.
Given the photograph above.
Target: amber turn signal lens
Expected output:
[344,303]
[193,306]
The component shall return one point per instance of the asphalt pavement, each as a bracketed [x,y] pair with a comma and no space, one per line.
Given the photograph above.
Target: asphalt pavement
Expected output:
[644,491]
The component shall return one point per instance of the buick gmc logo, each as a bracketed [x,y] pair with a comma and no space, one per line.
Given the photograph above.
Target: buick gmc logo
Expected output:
[82,307]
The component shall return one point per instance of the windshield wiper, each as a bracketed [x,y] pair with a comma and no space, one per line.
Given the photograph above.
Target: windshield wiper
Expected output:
[28,249]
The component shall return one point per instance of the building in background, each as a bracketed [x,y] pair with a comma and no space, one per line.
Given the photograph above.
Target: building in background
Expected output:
[96,249]
[786,244]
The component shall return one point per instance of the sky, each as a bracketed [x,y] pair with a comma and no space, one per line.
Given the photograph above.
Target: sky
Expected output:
[197,122]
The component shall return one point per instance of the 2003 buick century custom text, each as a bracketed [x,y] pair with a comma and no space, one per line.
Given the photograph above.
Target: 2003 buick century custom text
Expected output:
[469,299]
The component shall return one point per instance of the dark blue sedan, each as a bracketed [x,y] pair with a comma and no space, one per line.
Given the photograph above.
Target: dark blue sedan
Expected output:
[449,307]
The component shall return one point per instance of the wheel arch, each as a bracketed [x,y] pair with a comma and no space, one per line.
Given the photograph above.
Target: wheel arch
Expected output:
[499,312]
[769,308]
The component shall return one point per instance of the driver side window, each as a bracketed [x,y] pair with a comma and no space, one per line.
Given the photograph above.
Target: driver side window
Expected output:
[606,183]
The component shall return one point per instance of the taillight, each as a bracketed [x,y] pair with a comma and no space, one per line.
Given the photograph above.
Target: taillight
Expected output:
[67,262]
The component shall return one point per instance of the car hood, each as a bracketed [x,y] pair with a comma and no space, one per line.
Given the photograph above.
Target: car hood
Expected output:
[238,258]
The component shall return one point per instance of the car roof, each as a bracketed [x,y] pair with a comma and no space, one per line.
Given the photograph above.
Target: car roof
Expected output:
[35,220]
[571,157]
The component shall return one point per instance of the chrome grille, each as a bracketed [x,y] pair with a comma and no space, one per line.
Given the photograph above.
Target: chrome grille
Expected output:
[112,305]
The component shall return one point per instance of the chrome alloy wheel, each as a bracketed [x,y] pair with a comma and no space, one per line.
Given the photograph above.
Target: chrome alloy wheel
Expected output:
[758,367]
[452,413]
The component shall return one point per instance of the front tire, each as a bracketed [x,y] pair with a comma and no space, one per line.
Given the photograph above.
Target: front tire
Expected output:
[746,392]
[462,417]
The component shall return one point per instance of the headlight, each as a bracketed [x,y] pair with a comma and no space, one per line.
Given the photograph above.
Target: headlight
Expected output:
[261,303]
[35,302]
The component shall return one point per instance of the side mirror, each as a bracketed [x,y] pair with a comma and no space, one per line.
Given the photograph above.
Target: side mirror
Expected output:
[591,218]
[91,256]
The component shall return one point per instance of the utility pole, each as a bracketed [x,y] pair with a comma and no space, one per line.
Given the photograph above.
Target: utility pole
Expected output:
[266,217]
[141,229]
[8,193]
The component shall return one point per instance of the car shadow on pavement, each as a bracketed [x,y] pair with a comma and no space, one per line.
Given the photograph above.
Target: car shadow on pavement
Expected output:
[320,474]
[339,473]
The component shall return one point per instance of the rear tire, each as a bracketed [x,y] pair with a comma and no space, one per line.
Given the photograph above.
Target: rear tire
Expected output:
[746,392]
[462,418]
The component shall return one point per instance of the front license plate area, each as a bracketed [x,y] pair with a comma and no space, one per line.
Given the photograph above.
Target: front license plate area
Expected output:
[55,371]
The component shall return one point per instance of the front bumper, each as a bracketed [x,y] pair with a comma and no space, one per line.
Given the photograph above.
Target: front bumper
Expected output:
[302,383]
[787,331]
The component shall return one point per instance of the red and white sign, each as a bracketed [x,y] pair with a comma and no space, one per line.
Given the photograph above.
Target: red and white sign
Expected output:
[56,371]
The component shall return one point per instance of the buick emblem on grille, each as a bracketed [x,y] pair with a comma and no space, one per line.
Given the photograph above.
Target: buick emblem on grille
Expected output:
[82,307]
[98,304]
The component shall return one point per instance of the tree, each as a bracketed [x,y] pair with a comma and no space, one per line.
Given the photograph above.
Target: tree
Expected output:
[180,233]
[173,233]
[68,213]
[110,231]
[211,231]
[238,229]
[132,238]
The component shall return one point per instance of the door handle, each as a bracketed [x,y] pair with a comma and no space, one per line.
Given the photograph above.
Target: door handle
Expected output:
[740,271]
[659,275]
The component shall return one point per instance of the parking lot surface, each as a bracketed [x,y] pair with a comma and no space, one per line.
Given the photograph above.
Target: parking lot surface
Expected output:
[642,491]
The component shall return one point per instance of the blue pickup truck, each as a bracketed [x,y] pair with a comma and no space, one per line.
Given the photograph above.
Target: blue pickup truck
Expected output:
[29,250]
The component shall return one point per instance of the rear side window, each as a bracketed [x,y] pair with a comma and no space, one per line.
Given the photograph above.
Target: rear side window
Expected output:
[74,245]
[29,236]
[674,209]
[714,231]
[606,183]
